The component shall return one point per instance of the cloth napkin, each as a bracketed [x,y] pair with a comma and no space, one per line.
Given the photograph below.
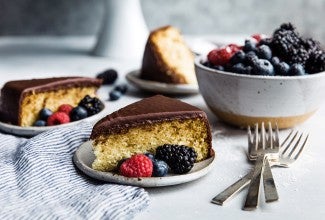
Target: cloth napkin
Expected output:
[38,180]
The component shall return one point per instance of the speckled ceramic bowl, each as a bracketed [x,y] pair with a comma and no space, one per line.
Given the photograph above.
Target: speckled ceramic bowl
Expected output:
[244,100]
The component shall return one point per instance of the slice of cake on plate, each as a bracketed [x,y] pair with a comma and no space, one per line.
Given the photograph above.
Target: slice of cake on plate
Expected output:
[144,125]
[22,100]
[167,58]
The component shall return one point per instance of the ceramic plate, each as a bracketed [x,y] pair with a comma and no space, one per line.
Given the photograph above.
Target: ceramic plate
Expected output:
[84,157]
[32,131]
[157,87]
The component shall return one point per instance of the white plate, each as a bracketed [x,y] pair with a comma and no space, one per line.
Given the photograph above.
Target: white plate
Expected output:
[32,130]
[84,157]
[157,87]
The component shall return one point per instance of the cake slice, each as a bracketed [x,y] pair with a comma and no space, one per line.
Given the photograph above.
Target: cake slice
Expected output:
[144,125]
[21,100]
[167,58]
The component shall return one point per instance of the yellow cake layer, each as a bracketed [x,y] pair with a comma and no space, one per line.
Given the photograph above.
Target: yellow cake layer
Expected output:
[34,102]
[109,150]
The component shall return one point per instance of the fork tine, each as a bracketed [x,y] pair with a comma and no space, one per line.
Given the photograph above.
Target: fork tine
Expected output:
[276,140]
[301,148]
[262,136]
[287,138]
[287,147]
[295,146]
[255,141]
[250,139]
[270,141]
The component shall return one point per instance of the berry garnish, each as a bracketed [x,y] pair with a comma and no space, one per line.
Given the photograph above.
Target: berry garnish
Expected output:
[39,123]
[258,37]
[78,113]
[58,118]
[114,95]
[44,114]
[108,76]
[92,105]
[238,57]
[160,168]
[121,88]
[138,165]
[264,52]
[220,56]
[296,70]
[263,67]
[249,46]
[66,108]
[179,158]
[281,68]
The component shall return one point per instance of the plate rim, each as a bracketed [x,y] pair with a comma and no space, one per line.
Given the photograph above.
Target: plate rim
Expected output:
[148,85]
[31,131]
[149,182]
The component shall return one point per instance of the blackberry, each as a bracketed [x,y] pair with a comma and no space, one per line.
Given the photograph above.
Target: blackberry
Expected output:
[108,76]
[180,158]
[316,63]
[265,41]
[92,105]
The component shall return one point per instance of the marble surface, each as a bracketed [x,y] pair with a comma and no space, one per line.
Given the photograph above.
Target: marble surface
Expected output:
[75,17]
[301,187]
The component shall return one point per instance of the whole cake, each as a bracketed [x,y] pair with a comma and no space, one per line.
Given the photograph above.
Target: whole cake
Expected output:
[167,58]
[22,100]
[144,125]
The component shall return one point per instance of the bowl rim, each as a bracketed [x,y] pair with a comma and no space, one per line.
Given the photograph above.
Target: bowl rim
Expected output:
[198,59]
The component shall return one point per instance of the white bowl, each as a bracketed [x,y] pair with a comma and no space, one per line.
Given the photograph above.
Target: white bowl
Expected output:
[244,100]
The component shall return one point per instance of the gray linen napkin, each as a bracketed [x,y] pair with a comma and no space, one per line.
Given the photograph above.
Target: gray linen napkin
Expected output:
[38,180]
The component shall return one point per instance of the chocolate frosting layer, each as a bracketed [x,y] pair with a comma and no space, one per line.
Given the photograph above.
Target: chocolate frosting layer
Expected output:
[147,111]
[13,92]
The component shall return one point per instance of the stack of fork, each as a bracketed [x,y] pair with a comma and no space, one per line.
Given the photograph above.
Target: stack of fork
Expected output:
[264,148]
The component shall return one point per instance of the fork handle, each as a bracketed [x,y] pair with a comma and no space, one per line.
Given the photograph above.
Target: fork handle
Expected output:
[254,187]
[228,193]
[270,191]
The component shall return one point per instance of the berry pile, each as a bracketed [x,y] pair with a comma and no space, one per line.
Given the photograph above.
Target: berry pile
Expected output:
[286,53]
[178,158]
[66,113]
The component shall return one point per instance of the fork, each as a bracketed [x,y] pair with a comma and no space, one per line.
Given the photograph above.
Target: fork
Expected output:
[288,155]
[261,147]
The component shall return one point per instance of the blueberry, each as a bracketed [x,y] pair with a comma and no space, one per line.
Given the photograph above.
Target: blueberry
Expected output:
[296,69]
[249,46]
[263,67]
[264,52]
[114,95]
[248,70]
[121,88]
[160,168]
[238,57]
[282,68]
[78,113]
[275,60]
[39,123]
[150,156]
[250,58]
[238,68]
[44,114]
[218,67]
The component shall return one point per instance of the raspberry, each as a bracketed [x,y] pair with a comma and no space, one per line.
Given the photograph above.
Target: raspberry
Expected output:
[138,165]
[234,48]
[66,108]
[220,56]
[258,37]
[58,118]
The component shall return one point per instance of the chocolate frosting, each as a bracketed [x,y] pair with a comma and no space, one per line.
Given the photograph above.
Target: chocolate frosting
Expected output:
[13,92]
[147,111]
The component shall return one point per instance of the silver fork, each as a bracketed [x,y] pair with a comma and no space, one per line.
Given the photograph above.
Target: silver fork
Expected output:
[288,155]
[271,140]
[262,146]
